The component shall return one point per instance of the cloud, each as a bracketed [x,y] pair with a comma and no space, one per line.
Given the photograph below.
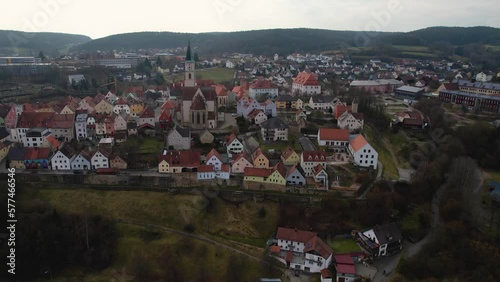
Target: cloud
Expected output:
[101,18]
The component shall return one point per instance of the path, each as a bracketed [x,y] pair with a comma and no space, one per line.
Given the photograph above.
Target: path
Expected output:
[194,236]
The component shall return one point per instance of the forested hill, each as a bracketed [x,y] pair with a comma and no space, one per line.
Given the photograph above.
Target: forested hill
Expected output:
[286,41]
[31,43]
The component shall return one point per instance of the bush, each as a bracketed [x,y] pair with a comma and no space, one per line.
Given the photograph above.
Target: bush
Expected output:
[262,212]
[189,228]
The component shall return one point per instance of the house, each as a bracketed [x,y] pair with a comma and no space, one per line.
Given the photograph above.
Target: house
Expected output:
[62,126]
[15,158]
[109,125]
[62,159]
[302,250]
[37,137]
[179,138]
[111,97]
[224,172]
[290,157]
[178,161]
[246,105]
[100,159]
[214,159]
[234,145]
[362,152]
[103,107]
[30,120]
[120,122]
[269,108]
[121,106]
[4,149]
[75,79]
[263,87]
[309,160]
[306,84]
[240,163]
[300,115]
[299,104]
[274,129]
[351,121]
[136,109]
[117,162]
[320,177]
[296,176]
[286,102]
[68,109]
[8,116]
[146,119]
[409,93]
[339,109]
[346,270]
[378,86]
[131,128]
[165,120]
[320,102]
[257,116]
[264,176]
[222,95]
[410,119]
[259,160]
[81,125]
[37,158]
[82,161]
[335,138]
[327,276]
[205,172]
[4,134]
[381,240]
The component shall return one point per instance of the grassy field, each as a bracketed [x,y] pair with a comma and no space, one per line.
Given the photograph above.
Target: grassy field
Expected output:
[384,156]
[147,250]
[421,54]
[151,146]
[411,48]
[216,74]
[343,246]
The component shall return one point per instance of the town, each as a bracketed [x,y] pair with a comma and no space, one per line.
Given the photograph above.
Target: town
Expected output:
[301,124]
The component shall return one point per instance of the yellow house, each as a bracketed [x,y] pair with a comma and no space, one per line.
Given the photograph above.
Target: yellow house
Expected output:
[15,158]
[103,107]
[4,150]
[286,102]
[256,174]
[290,157]
[163,167]
[276,178]
[259,159]
[136,109]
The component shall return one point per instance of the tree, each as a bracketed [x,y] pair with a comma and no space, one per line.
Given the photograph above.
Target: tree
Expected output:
[158,61]
[41,56]
[195,57]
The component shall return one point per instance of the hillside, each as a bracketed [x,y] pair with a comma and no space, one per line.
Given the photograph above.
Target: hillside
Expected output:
[31,43]
[286,41]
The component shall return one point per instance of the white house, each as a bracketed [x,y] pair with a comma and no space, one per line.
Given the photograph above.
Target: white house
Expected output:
[224,172]
[111,98]
[214,159]
[306,84]
[302,250]
[179,138]
[257,116]
[81,126]
[363,153]
[233,145]
[274,129]
[263,87]
[121,106]
[62,159]
[100,159]
[320,102]
[309,160]
[120,123]
[230,65]
[205,172]
[335,138]
[351,121]
[382,240]
[82,160]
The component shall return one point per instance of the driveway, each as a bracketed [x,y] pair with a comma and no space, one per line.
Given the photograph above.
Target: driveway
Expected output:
[306,144]
[289,276]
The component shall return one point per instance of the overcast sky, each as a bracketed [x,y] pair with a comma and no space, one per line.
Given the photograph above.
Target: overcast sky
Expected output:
[99,18]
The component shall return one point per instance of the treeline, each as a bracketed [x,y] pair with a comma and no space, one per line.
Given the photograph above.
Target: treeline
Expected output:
[48,242]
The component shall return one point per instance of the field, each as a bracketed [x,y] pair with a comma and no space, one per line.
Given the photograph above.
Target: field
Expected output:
[384,155]
[343,246]
[218,75]
[150,250]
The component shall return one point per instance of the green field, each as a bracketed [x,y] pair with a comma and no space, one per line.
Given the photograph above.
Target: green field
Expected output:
[421,54]
[218,75]
[344,246]
[411,48]
[384,156]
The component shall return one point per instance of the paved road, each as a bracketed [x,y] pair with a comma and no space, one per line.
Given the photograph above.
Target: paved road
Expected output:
[306,144]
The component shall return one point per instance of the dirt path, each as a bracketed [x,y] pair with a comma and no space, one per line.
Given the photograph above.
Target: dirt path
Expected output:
[194,236]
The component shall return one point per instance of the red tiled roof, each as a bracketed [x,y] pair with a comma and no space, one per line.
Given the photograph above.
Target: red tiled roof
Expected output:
[185,158]
[358,142]
[53,141]
[230,138]
[225,168]
[240,156]
[121,101]
[275,249]
[35,119]
[168,105]
[220,90]
[308,79]
[198,104]
[326,273]
[287,152]
[344,259]
[257,153]
[318,246]
[314,156]
[258,172]
[330,134]
[165,116]
[294,235]
[212,153]
[36,153]
[289,256]
[263,84]
[346,268]
[317,169]
[340,109]
[281,169]
[147,113]
[206,168]
[254,113]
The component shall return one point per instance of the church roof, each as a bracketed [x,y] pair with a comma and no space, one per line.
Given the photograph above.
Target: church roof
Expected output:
[188,53]
[208,92]
[198,104]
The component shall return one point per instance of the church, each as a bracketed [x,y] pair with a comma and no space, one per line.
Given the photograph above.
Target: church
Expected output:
[199,104]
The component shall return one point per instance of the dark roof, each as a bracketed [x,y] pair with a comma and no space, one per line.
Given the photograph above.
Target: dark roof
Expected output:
[3,133]
[4,110]
[131,125]
[286,98]
[387,233]
[322,99]
[184,132]
[274,123]
[16,154]
[208,92]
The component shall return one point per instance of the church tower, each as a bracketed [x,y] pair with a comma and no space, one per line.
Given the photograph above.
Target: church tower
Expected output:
[189,69]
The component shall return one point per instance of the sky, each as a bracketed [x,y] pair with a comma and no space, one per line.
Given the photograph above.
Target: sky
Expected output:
[100,18]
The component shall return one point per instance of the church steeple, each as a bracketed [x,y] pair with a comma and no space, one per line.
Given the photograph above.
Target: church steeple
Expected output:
[189,68]
[188,53]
